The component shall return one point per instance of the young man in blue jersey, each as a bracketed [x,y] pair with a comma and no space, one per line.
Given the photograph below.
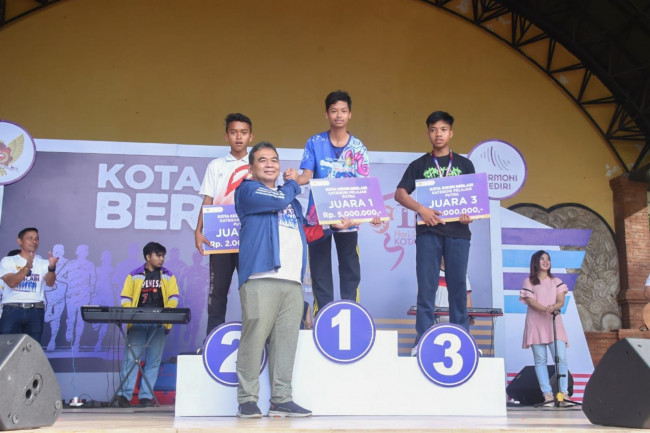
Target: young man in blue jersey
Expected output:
[334,154]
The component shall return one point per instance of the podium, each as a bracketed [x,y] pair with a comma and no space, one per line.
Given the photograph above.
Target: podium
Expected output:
[381,383]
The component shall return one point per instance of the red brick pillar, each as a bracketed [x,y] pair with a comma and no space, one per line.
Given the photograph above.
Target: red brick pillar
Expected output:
[633,244]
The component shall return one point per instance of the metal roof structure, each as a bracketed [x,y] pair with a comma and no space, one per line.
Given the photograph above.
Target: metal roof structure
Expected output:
[597,51]
[12,10]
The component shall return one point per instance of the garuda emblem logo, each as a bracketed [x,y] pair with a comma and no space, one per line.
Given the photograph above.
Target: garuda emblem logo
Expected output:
[17,152]
[9,154]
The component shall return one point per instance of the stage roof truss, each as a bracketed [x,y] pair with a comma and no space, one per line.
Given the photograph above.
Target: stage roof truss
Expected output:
[12,10]
[597,51]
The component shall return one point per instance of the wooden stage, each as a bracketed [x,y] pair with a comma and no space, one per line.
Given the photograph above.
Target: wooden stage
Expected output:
[162,420]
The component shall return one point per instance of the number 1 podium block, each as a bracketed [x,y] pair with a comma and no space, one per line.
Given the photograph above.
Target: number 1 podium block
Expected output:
[381,383]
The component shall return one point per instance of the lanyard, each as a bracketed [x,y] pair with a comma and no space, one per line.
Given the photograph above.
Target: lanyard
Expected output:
[451,160]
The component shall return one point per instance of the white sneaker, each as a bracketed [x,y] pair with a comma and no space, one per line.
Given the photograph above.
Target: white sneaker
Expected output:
[414,351]
[548,400]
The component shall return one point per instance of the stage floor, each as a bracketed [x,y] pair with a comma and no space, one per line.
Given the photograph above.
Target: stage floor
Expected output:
[162,420]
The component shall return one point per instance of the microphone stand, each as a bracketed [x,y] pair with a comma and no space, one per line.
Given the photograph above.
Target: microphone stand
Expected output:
[559,396]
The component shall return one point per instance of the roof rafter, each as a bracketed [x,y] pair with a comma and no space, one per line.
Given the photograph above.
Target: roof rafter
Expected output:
[12,10]
[609,73]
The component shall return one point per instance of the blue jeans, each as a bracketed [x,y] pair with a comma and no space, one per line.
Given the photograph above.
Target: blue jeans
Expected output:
[430,248]
[539,353]
[18,320]
[137,337]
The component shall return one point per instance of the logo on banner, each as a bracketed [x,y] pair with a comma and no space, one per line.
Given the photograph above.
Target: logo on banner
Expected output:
[344,332]
[17,152]
[447,355]
[220,353]
[504,165]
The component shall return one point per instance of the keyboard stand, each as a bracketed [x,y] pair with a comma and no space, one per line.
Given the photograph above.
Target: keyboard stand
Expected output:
[136,362]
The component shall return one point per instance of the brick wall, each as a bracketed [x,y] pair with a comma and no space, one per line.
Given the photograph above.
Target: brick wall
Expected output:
[633,245]
[599,342]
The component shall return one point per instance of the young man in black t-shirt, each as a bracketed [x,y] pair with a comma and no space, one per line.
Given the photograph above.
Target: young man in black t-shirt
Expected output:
[149,286]
[435,238]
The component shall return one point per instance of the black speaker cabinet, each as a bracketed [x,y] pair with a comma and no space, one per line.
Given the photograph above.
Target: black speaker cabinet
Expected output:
[29,393]
[525,388]
[617,393]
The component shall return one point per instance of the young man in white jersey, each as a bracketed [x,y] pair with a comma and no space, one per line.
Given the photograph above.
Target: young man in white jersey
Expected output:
[222,177]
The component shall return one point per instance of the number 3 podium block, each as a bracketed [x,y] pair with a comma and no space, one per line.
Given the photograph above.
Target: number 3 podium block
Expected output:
[381,383]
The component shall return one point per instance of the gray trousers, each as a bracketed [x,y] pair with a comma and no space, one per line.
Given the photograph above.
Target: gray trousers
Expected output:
[270,307]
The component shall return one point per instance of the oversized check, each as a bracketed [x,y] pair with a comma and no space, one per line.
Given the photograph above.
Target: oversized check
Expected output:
[356,198]
[455,195]
[221,227]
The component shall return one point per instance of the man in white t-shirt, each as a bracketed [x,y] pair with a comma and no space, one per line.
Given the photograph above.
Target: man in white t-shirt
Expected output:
[222,177]
[24,275]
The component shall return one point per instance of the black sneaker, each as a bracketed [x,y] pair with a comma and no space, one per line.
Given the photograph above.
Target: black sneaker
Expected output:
[289,409]
[146,402]
[249,409]
[122,401]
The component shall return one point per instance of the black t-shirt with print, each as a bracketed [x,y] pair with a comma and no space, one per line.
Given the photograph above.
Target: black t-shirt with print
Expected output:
[425,168]
[151,292]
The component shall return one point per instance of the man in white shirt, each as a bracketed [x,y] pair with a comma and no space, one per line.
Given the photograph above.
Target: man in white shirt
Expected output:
[23,300]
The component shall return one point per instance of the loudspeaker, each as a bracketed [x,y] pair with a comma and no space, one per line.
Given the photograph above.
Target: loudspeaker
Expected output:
[617,392]
[30,395]
[525,388]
